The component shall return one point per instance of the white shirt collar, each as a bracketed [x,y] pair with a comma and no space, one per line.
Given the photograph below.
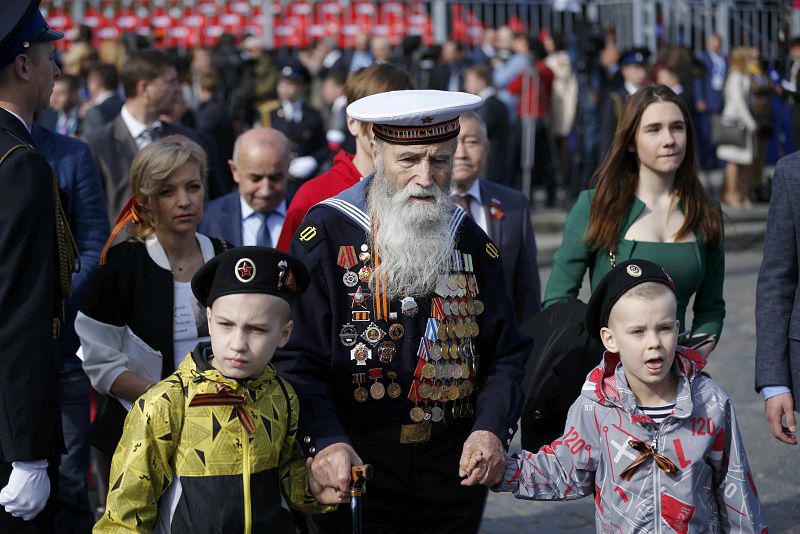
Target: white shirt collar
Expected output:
[247,210]
[134,126]
[159,256]
[102,97]
[25,124]
[486,93]
[630,88]
[339,104]
[474,191]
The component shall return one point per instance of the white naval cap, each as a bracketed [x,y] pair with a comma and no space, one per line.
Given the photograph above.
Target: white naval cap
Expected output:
[414,117]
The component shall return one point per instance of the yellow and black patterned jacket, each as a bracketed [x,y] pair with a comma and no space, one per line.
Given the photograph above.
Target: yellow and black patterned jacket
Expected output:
[196,468]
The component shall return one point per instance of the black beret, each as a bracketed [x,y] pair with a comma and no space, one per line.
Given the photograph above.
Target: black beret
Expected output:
[616,283]
[250,270]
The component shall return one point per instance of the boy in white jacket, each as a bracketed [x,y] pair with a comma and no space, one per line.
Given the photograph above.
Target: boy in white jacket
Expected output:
[651,437]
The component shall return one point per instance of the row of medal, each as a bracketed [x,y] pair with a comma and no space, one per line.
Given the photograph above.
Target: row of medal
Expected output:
[447,357]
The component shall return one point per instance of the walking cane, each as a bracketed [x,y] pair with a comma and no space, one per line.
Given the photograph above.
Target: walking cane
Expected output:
[358,486]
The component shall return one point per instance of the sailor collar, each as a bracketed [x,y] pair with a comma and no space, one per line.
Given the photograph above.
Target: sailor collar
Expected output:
[352,203]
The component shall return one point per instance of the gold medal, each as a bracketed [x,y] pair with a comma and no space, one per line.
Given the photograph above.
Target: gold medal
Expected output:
[441,332]
[462,308]
[377,391]
[461,281]
[468,388]
[393,389]
[451,331]
[364,274]
[396,331]
[373,334]
[464,370]
[472,284]
[436,392]
[475,329]
[478,307]
[428,371]
[424,390]
[417,414]
[364,257]
[460,330]
[470,307]
[453,392]
[360,394]
[454,351]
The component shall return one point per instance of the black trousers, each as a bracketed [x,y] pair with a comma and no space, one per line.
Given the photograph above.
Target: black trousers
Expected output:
[44,523]
[414,489]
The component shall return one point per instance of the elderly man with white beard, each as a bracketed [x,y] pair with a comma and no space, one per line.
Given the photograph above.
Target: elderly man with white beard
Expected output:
[405,353]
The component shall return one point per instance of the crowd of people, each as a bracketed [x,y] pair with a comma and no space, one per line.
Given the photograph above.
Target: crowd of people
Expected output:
[263,268]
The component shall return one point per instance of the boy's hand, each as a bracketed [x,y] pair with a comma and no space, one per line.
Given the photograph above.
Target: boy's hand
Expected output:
[490,463]
[323,495]
[775,409]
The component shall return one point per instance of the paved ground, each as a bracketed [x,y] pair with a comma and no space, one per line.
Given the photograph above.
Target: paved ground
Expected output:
[776,466]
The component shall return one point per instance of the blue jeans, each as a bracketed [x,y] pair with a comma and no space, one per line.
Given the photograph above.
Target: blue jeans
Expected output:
[73,515]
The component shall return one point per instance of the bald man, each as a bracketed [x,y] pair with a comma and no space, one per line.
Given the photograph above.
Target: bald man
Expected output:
[254,214]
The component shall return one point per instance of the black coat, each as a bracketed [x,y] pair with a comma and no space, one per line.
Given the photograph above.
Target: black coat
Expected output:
[30,422]
[495,114]
[101,114]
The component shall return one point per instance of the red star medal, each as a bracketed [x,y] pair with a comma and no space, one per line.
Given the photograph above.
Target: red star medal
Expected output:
[359,298]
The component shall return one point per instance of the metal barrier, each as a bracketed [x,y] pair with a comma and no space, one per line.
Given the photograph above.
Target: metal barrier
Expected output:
[761,23]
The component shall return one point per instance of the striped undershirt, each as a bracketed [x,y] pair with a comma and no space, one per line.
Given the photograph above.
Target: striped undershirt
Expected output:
[658,413]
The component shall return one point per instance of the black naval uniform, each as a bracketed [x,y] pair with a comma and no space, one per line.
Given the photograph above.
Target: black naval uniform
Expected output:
[30,420]
[416,485]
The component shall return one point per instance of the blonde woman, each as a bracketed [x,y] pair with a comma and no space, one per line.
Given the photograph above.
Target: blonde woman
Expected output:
[737,107]
[140,317]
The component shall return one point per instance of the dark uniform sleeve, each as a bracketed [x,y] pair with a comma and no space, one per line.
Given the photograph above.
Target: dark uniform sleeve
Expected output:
[306,361]
[502,348]
[28,365]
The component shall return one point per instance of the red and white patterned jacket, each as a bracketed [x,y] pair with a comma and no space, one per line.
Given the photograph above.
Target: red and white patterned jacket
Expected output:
[712,491]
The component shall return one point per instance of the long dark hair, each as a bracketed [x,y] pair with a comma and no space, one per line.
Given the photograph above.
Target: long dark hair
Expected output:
[618,176]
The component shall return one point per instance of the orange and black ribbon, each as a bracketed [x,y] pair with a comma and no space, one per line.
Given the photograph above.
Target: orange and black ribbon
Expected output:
[379,298]
[226,396]
[646,451]
[131,213]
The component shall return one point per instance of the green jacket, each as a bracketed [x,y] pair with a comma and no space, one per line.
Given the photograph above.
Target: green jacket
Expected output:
[697,270]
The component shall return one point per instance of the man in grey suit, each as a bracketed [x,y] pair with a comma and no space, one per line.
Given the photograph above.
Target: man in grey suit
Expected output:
[778,304]
[151,89]
[102,81]
[502,212]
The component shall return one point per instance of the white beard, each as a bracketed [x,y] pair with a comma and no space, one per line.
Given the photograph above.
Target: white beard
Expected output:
[413,239]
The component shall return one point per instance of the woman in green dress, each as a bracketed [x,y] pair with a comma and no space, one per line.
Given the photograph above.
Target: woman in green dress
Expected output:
[648,203]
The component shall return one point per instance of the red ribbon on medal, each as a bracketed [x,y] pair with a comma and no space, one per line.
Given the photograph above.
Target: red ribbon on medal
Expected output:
[377,372]
[437,309]
[347,257]
[418,370]
[413,393]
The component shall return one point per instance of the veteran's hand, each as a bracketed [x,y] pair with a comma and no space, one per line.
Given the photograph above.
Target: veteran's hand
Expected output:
[331,466]
[323,495]
[775,408]
[488,468]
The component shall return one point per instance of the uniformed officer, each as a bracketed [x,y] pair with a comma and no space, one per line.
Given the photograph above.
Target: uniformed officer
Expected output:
[633,69]
[302,124]
[34,277]
[406,353]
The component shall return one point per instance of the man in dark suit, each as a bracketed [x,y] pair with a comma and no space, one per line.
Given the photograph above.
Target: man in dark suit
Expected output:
[33,279]
[79,180]
[102,81]
[791,88]
[478,81]
[503,213]
[62,116]
[253,214]
[777,304]
[633,67]
[151,89]
[299,122]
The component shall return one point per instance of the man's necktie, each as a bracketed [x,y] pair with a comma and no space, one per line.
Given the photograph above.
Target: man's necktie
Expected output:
[149,135]
[264,239]
[464,201]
